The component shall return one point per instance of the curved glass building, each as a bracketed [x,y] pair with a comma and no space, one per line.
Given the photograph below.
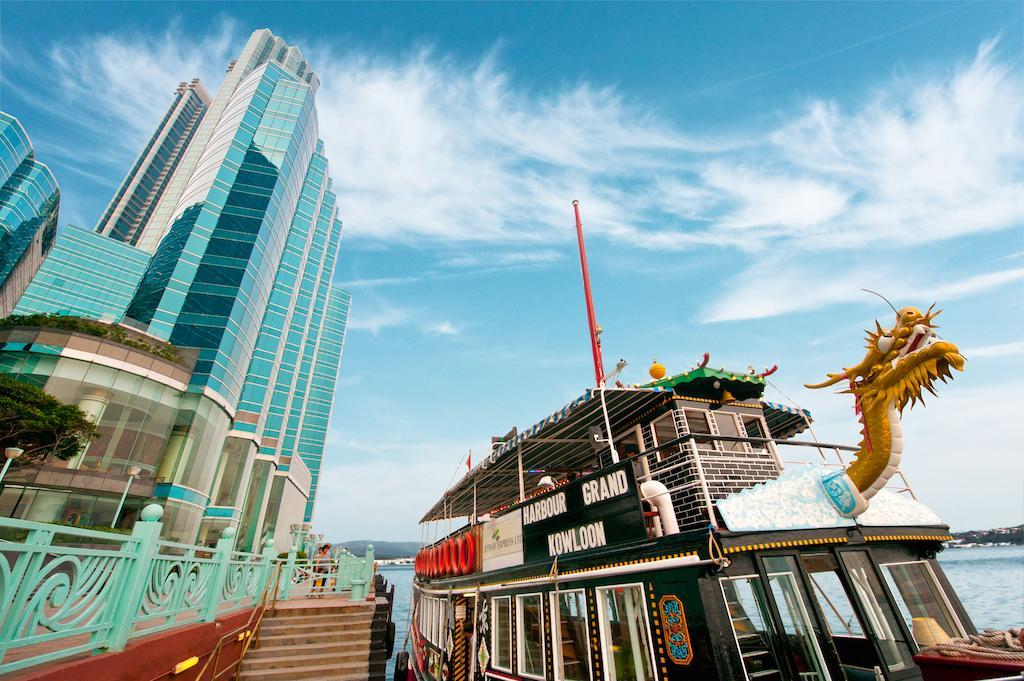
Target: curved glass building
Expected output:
[29,201]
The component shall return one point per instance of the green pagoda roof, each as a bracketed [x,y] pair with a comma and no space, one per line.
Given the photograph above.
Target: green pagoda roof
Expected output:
[700,382]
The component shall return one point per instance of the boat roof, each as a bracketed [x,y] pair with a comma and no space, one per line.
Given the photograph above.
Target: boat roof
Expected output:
[561,443]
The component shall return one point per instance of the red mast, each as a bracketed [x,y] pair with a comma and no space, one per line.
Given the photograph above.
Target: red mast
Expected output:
[595,341]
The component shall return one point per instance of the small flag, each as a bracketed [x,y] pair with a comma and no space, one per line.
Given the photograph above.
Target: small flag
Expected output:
[469,462]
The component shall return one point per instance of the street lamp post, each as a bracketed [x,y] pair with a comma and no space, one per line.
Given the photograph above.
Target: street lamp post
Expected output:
[10,454]
[132,472]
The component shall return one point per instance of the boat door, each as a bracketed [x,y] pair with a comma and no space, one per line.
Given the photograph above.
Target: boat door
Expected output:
[884,627]
[867,638]
[777,629]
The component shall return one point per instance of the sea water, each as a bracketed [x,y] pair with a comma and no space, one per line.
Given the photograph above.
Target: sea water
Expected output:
[988,580]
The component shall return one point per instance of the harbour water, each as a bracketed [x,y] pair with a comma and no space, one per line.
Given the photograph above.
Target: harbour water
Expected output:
[989,581]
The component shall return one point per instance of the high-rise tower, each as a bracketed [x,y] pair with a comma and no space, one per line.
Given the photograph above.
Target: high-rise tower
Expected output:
[132,206]
[232,197]
[29,201]
[243,273]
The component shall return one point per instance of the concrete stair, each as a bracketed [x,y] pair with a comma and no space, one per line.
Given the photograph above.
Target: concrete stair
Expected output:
[326,639]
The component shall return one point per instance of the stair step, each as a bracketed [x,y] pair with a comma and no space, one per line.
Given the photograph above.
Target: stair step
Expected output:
[366,616]
[320,625]
[327,647]
[301,638]
[301,658]
[317,671]
[315,610]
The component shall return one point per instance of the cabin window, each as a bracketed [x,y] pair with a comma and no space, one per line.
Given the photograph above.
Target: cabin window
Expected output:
[728,424]
[664,430]
[431,619]
[501,633]
[697,423]
[442,622]
[795,615]
[881,621]
[840,616]
[530,634]
[753,426]
[752,626]
[629,443]
[921,602]
[570,639]
[624,634]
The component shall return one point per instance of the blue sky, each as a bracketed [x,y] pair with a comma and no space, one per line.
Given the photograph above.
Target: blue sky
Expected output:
[744,169]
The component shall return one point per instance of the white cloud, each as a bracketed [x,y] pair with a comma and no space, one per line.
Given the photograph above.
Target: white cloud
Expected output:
[997,350]
[778,285]
[441,329]
[118,88]
[505,259]
[375,320]
[429,150]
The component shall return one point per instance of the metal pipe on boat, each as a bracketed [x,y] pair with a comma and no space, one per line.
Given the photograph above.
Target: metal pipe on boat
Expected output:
[656,494]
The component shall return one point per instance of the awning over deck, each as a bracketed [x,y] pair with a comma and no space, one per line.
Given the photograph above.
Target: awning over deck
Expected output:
[558,443]
[784,421]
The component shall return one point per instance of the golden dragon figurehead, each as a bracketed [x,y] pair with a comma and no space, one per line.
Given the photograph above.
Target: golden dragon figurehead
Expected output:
[900,364]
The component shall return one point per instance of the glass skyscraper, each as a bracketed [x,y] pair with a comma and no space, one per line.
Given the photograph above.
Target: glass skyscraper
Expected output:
[133,204]
[86,275]
[232,197]
[29,201]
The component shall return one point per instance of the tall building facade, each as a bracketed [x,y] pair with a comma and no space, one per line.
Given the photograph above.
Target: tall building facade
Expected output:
[135,200]
[85,275]
[242,226]
[29,203]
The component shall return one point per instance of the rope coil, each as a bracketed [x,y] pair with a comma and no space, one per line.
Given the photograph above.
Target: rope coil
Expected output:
[990,644]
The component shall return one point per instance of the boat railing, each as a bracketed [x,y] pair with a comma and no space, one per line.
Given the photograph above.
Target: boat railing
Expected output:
[698,469]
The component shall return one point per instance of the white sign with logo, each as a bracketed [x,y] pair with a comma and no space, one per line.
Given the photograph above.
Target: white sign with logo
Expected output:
[502,540]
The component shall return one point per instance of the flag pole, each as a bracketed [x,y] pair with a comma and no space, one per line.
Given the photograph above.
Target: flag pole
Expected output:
[595,341]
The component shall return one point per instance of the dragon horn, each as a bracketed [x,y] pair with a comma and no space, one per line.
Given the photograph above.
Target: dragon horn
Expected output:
[832,380]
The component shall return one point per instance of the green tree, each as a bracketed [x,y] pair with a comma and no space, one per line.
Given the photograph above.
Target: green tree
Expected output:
[40,424]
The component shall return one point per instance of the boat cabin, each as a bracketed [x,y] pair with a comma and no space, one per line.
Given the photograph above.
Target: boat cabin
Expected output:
[695,543]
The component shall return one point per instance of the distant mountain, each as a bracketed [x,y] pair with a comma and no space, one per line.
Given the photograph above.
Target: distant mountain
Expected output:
[382,549]
[999,535]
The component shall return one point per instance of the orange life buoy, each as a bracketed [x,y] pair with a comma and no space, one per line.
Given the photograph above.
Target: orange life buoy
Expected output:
[431,563]
[467,554]
[446,550]
[442,560]
[455,548]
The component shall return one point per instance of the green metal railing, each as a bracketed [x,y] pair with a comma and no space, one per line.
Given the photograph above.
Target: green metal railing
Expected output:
[66,591]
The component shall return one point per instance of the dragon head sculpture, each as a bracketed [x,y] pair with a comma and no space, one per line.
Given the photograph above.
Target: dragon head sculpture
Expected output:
[900,364]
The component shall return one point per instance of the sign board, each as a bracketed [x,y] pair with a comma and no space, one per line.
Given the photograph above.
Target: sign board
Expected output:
[602,509]
[502,540]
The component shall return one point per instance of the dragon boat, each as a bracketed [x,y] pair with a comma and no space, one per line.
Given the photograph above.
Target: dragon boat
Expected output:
[681,529]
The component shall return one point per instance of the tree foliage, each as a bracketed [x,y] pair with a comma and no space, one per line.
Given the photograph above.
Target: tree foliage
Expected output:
[40,424]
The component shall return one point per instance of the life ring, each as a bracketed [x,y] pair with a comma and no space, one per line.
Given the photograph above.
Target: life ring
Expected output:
[451,557]
[457,556]
[431,563]
[467,554]
[442,560]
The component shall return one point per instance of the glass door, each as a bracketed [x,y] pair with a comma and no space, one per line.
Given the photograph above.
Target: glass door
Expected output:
[879,617]
[800,632]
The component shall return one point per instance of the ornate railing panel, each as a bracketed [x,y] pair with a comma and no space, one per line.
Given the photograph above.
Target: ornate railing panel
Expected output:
[65,591]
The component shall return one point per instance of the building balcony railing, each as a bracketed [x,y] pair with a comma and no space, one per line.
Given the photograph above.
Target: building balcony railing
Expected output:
[66,591]
[700,469]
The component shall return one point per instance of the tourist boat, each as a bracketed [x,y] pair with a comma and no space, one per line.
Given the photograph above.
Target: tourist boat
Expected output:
[680,529]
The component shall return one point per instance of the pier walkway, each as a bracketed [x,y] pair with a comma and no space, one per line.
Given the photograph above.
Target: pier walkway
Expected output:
[89,605]
[329,638]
